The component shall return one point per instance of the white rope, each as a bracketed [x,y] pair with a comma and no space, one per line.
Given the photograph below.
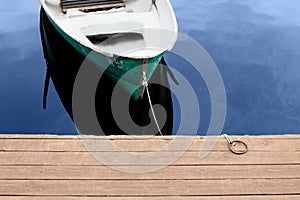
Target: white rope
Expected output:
[150,102]
[229,140]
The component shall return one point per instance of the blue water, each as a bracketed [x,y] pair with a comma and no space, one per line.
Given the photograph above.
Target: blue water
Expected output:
[255,44]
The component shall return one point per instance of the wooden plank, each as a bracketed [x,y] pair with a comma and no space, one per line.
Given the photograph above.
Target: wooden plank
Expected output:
[45,136]
[150,187]
[71,145]
[254,197]
[169,173]
[189,158]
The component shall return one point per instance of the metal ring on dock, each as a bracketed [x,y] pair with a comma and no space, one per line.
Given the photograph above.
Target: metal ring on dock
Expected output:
[239,152]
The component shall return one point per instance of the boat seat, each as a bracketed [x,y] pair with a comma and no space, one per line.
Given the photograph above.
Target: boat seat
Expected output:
[91,5]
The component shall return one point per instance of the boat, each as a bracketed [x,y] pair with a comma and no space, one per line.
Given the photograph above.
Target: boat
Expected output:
[63,63]
[127,37]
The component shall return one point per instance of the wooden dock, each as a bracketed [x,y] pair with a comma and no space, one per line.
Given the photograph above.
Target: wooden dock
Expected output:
[60,168]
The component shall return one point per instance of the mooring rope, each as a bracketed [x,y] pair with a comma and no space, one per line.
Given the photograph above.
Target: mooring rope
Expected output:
[145,83]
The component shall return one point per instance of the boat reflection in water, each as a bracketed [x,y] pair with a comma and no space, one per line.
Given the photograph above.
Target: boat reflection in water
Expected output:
[63,63]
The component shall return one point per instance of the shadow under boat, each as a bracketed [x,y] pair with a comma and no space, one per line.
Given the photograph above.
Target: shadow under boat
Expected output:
[63,63]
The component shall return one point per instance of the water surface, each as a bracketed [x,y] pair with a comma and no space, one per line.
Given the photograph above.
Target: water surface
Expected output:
[255,44]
